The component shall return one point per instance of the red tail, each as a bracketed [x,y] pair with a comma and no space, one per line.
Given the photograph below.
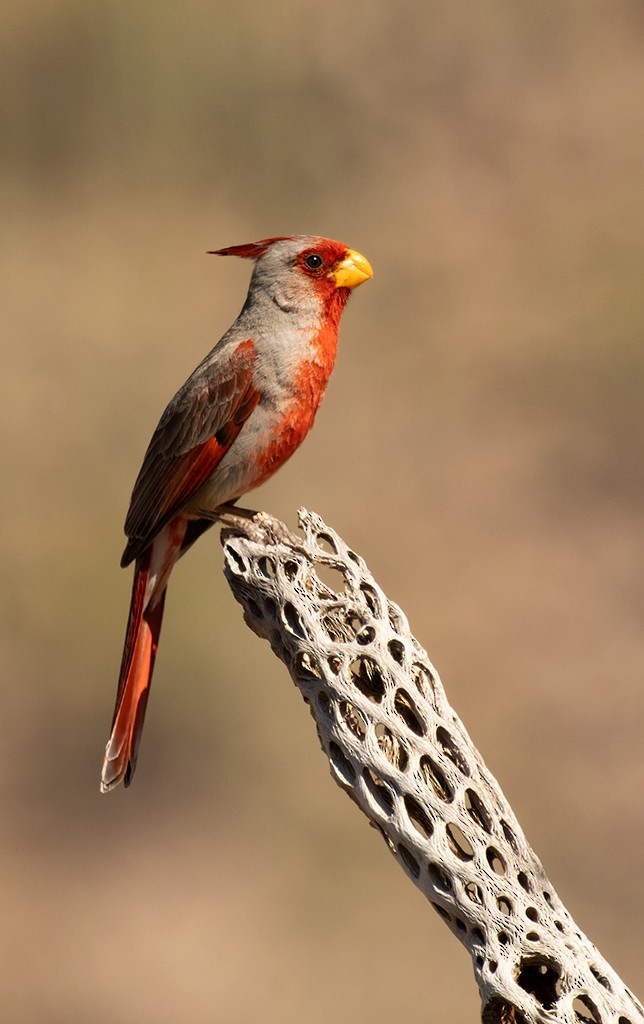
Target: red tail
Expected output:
[151,573]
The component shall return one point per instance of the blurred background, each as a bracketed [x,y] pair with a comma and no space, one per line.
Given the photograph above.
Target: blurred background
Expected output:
[481,445]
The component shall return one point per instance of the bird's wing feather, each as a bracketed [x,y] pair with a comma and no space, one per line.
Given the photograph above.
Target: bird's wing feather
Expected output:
[194,433]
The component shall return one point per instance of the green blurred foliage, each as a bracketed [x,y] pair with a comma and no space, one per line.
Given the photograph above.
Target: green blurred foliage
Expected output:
[483,432]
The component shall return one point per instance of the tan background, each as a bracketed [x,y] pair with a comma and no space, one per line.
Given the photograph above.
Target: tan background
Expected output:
[481,445]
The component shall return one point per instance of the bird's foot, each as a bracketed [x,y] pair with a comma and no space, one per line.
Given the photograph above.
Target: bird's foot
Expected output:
[258,526]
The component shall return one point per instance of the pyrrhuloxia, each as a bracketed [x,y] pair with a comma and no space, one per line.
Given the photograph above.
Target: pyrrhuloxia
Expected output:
[235,421]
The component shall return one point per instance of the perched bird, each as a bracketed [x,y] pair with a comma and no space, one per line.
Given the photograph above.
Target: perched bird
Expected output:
[242,413]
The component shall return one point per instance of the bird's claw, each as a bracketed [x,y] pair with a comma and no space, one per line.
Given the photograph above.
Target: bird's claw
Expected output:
[277,532]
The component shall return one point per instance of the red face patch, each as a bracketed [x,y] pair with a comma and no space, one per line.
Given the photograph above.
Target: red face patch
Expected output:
[317,260]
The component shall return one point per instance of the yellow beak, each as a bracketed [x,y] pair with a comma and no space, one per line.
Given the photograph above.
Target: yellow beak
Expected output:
[352,271]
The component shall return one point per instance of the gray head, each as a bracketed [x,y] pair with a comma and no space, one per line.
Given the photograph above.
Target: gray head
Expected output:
[302,274]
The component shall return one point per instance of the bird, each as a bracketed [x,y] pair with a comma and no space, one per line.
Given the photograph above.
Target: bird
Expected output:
[239,416]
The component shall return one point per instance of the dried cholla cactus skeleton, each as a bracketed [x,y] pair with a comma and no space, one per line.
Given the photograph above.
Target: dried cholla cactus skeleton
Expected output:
[400,751]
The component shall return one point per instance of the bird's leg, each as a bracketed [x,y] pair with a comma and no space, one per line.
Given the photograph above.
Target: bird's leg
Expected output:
[230,511]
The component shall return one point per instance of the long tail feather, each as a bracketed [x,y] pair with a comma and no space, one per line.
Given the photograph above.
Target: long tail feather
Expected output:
[151,574]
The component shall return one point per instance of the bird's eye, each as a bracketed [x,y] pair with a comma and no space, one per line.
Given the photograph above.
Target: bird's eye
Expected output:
[313,261]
